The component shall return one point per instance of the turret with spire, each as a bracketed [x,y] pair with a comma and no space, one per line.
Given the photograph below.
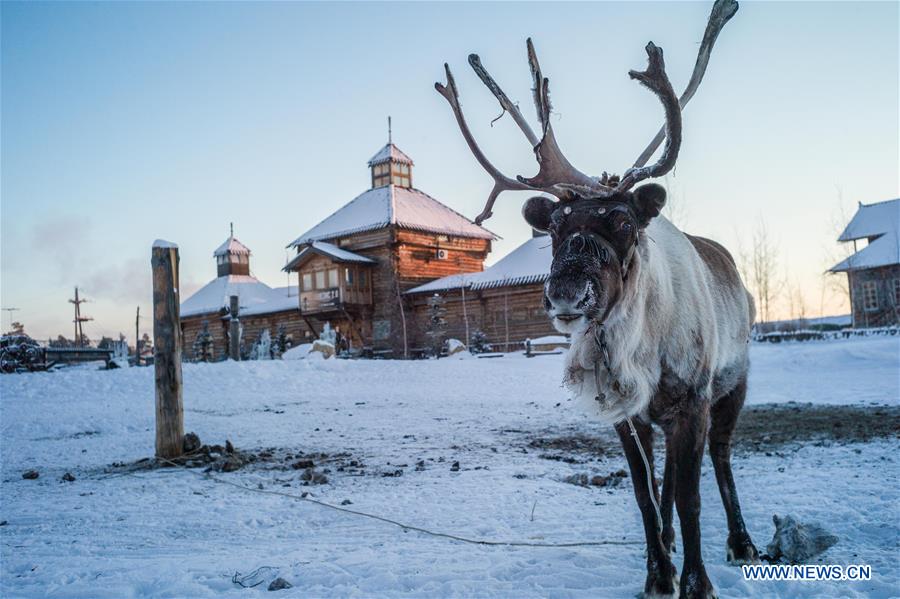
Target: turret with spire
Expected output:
[232,257]
[390,166]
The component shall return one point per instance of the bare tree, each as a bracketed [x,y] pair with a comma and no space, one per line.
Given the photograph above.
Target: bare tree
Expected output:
[676,209]
[796,301]
[759,266]
[837,283]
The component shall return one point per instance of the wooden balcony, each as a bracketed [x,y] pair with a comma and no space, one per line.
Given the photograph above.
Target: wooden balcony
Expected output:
[335,299]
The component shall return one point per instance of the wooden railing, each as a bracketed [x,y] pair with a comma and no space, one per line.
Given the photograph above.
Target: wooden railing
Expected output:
[335,298]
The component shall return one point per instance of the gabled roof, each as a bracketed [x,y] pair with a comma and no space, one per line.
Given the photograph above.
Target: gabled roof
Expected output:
[528,263]
[320,248]
[873,219]
[879,222]
[884,251]
[216,295]
[390,152]
[404,207]
[231,246]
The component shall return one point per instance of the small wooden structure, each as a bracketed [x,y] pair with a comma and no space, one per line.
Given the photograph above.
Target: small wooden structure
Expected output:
[73,355]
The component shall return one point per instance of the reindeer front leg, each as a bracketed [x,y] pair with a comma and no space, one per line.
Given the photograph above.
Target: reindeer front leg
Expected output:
[661,573]
[687,437]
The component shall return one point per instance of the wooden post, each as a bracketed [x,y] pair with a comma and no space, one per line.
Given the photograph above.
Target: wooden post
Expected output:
[167,353]
[137,337]
[462,287]
[234,330]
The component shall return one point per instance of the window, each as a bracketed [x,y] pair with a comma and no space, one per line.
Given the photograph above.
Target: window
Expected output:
[362,279]
[348,277]
[333,280]
[320,279]
[870,296]
[400,180]
[307,281]
[897,293]
[381,181]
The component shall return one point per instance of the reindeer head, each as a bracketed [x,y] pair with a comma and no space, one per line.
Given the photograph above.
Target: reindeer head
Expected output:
[595,225]
[594,243]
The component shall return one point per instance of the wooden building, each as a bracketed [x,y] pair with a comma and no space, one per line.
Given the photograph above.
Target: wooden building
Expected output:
[354,266]
[504,301]
[873,272]
[260,306]
[368,271]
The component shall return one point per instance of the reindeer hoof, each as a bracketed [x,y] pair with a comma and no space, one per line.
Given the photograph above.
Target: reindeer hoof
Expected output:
[662,594]
[696,585]
[662,582]
[741,551]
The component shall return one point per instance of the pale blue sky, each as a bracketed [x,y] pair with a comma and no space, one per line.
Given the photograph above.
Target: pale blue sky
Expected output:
[126,122]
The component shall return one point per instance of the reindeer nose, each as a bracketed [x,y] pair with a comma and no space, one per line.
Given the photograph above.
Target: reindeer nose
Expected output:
[566,306]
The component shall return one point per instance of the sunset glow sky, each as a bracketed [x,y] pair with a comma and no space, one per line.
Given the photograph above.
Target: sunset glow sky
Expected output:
[127,122]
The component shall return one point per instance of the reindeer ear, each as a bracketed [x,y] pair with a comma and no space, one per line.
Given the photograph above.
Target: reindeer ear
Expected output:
[537,211]
[648,201]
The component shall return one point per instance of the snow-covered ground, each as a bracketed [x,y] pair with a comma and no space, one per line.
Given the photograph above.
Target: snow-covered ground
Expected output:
[171,532]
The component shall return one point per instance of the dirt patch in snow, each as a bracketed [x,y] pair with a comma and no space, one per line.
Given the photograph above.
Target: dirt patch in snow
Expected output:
[762,429]
[310,468]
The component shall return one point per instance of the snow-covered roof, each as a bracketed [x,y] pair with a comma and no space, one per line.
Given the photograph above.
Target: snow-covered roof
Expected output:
[231,246]
[873,219]
[329,250]
[884,251]
[283,298]
[390,152]
[880,221]
[215,295]
[404,207]
[528,263]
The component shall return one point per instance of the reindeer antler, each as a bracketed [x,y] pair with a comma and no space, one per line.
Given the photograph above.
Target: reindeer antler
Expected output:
[501,182]
[556,175]
[721,13]
[655,79]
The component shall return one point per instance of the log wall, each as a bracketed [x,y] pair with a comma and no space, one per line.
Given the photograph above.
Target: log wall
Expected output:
[253,326]
[507,315]
[405,259]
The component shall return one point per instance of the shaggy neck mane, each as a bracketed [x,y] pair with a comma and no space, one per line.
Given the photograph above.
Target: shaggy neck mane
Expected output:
[632,342]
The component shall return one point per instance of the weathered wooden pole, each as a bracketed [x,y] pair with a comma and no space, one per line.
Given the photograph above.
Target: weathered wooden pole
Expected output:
[167,353]
[234,328]
[137,337]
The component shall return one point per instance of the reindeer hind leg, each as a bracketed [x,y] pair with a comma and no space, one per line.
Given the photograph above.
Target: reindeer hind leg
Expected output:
[723,418]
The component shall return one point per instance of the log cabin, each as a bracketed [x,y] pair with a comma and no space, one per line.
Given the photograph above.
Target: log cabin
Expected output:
[354,266]
[504,301]
[260,307]
[873,271]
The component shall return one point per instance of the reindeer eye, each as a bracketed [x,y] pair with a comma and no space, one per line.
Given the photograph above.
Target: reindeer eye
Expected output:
[626,228]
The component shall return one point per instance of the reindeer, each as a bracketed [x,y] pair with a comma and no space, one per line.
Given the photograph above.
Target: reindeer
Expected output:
[659,319]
